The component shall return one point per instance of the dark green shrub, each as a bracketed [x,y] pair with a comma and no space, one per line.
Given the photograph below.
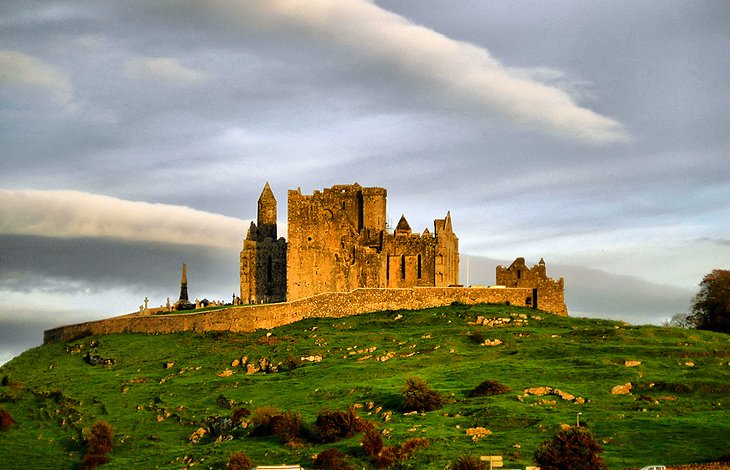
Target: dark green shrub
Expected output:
[417,396]
[383,456]
[261,420]
[468,462]
[292,362]
[574,449]
[477,337]
[6,420]
[331,459]
[239,461]
[489,387]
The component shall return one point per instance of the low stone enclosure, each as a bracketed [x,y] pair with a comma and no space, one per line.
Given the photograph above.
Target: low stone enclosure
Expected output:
[328,305]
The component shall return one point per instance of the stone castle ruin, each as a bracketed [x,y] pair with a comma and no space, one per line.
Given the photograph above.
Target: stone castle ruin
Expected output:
[340,259]
[338,242]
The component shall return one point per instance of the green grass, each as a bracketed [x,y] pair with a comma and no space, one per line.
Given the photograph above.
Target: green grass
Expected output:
[55,396]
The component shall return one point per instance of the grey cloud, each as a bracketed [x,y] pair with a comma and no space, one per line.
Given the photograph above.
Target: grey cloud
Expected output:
[86,266]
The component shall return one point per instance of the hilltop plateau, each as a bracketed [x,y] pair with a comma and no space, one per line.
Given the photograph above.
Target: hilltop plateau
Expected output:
[183,400]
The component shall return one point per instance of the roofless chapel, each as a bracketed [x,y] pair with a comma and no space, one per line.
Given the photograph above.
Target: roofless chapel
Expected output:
[337,242]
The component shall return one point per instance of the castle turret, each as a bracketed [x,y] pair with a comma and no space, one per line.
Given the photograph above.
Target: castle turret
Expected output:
[266,219]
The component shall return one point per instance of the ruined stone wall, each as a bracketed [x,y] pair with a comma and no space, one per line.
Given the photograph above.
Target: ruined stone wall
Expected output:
[330,305]
[548,294]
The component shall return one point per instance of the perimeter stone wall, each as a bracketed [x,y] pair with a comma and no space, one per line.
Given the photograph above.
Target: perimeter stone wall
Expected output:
[329,305]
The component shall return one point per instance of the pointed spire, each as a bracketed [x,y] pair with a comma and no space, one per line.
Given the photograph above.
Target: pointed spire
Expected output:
[267,213]
[447,225]
[403,226]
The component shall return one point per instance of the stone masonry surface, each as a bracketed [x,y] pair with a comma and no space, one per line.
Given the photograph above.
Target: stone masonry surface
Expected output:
[267,316]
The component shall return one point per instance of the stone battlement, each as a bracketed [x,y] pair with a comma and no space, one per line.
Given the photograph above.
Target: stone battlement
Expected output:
[328,305]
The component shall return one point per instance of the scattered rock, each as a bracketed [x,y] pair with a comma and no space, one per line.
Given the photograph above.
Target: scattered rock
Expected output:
[364,358]
[251,369]
[689,364]
[313,358]
[96,360]
[197,436]
[385,357]
[387,415]
[564,395]
[492,342]
[225,373]
[539,391]
[477,433]
[580,400]
[398,317]
[168,365]
[235,363]
[624,389]
[632,363]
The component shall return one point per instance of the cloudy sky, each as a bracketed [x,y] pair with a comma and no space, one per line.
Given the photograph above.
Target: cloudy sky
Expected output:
[135,135]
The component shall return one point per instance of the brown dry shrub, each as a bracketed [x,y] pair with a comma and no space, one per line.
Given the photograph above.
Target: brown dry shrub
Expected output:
[239,461]
[573,448]
[417,396]
[287,427]
[406,449]
[383,456]
[101,438]
[372,443]
[6,420]
[331,459]
[333,425]
[239,415]
[468,462]
[489,387]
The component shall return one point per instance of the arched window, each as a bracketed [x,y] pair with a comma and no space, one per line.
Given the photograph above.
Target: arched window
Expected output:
[403,266]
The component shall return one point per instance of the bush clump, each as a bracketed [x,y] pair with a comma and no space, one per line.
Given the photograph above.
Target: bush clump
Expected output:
[417,396]
[574,448]
[333,425]
[240,415]
[287,427]
[331,459]
[6,420]
[239,461]
[98,444]
[489,387]
[383,456]
[261,420]
[468,462]
[292,362]
[477,337]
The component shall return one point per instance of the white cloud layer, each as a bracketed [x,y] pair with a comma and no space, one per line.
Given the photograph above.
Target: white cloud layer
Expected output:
[162,68]
[73,214]
[19,69]
[457,72]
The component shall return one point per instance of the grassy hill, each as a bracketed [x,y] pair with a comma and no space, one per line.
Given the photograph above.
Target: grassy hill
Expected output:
[678,410]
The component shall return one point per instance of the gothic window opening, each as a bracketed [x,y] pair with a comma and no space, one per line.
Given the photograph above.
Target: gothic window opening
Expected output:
[419,266]
[519,274]
[403,266]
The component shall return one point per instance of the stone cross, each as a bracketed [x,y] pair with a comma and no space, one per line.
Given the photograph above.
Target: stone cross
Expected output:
[146,301]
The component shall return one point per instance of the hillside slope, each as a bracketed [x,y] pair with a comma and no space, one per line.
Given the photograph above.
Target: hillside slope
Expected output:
[162,388]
